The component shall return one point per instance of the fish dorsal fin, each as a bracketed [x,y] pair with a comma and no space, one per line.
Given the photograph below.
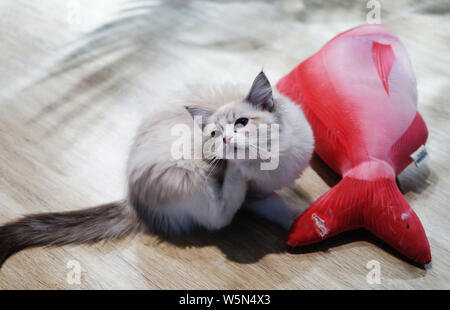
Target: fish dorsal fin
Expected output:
[383,57]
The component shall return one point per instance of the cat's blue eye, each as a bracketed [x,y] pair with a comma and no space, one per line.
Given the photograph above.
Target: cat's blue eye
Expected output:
[241,122]
[213,133]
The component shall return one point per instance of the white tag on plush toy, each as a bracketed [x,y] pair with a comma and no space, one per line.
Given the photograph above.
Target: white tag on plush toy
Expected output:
[420,155]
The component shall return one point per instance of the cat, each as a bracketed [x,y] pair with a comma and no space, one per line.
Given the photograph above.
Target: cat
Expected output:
[172,194]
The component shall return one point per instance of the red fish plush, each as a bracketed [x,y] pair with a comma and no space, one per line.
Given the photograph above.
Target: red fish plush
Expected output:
[359,94]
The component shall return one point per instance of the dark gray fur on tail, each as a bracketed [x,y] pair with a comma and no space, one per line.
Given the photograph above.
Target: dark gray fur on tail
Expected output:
[109,221]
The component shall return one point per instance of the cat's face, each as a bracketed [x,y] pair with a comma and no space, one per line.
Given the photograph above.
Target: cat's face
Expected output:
[242,129]
[238,130]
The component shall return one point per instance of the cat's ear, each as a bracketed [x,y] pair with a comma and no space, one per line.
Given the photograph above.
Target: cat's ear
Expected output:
[199,114]
[260,94]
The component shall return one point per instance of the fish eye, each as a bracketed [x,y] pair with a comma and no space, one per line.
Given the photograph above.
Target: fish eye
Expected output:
[241,122]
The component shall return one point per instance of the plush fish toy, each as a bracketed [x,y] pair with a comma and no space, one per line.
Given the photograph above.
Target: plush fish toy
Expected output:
[359,94]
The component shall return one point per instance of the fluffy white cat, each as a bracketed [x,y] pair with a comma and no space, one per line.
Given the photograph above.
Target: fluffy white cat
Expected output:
[172,194]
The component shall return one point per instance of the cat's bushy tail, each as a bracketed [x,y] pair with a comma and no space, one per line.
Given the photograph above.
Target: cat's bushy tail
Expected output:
[110,221]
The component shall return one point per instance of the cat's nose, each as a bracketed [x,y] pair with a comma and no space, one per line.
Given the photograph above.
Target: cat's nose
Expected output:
[226,140]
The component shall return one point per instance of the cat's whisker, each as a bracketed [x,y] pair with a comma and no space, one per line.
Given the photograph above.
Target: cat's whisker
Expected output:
[214,163]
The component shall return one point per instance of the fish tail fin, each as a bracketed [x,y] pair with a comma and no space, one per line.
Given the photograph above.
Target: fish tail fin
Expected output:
[374,204]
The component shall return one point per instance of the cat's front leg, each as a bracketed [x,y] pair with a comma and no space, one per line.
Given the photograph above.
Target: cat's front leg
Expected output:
[273,208]
[234,188]
[230,197]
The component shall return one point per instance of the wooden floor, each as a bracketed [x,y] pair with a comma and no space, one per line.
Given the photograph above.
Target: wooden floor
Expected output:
[70,102]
